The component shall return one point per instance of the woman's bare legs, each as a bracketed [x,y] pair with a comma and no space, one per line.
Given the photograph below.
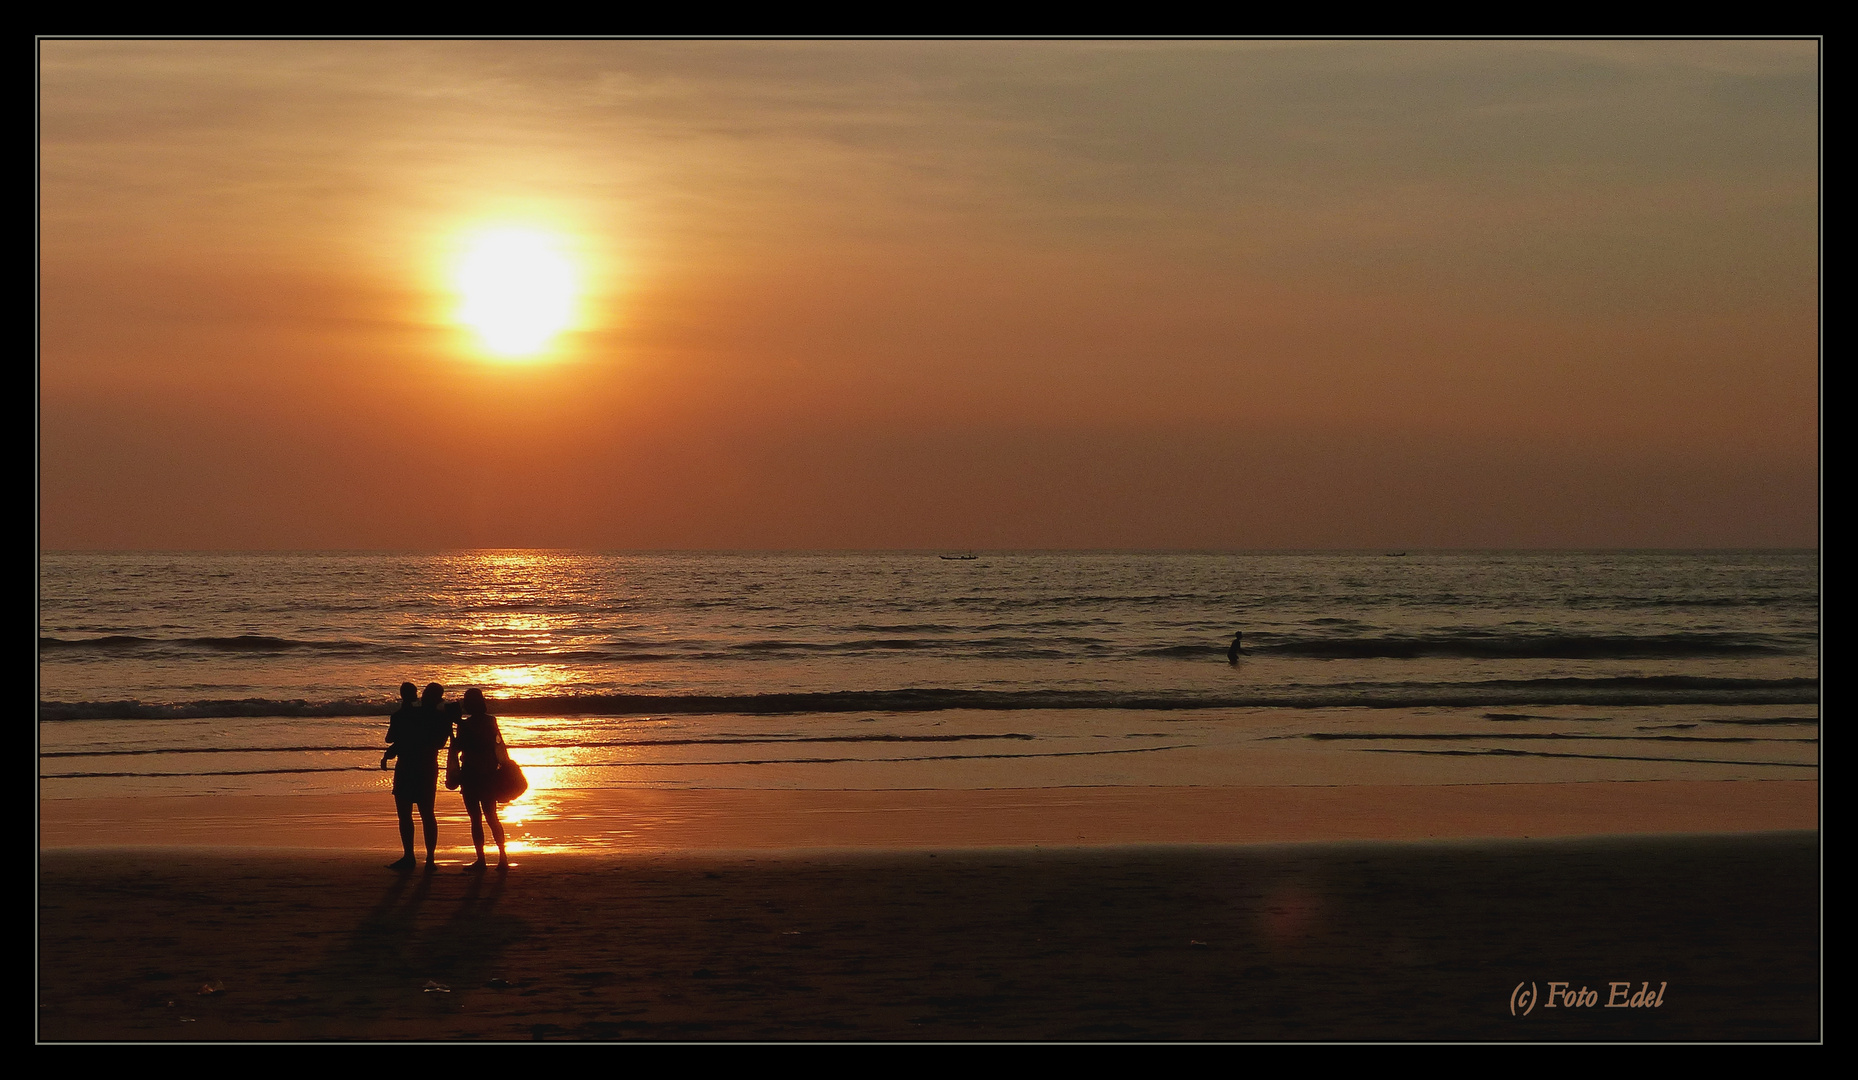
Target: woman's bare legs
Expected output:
[477,832]
[496,830]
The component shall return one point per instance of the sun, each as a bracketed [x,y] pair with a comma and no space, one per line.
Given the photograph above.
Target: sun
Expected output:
[517,289]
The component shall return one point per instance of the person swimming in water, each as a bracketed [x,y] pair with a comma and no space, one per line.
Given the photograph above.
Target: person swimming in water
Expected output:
[1232,652]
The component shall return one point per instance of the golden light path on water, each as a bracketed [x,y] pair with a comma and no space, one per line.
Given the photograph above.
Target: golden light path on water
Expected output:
[507,583]
[507,580]
[540,815]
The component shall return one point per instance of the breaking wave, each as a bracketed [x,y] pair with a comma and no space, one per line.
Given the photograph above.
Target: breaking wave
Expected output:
[1625,690]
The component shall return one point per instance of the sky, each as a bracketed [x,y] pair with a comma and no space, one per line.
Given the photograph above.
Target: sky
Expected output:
[932,294]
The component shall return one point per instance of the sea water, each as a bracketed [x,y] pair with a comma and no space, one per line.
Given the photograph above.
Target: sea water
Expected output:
[273,672]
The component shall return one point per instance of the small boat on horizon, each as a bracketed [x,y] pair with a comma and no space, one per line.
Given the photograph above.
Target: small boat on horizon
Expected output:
[963,558]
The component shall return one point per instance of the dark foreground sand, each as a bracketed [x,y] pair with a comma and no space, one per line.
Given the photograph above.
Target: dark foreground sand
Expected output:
[1384,941]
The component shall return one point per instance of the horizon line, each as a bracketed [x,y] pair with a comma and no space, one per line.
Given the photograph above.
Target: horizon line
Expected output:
[1380,549]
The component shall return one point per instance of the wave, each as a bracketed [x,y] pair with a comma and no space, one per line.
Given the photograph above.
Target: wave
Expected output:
[180,710]
[1626,603]
[617,652]
[1187,652]
[236,643]
[1498,752]
[968,643]
[1029,647]
[1514,736]
[482,653]
[110,643]
[1618,691]
[831,646]
[1788,720]
[1496,647]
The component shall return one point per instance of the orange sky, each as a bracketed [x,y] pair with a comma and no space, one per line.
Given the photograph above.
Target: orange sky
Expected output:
[935,294]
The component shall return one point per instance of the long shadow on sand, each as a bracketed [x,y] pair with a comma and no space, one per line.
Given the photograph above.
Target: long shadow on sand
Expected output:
[429,938]
[1300,942]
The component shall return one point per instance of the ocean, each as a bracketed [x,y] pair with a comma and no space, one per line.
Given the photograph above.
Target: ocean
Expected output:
[264,672]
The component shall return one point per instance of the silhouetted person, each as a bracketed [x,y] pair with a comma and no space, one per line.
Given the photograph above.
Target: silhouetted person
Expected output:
[416,734]
[476,751]
[1232,652]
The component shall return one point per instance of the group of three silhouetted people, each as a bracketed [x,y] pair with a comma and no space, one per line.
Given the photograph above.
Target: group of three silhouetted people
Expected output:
[420,728]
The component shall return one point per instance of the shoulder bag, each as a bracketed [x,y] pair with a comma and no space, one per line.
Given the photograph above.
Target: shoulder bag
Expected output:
[511,783]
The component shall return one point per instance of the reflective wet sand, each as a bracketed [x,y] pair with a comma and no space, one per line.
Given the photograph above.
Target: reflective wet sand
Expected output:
[623,821]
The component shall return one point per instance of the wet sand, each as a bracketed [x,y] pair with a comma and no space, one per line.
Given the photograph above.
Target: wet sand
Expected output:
[1055,914]
[624,820]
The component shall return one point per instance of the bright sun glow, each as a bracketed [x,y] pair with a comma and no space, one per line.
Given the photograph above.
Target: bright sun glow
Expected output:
[517,289]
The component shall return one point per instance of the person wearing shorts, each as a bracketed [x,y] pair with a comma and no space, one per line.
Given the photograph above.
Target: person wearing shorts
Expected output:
[416,734]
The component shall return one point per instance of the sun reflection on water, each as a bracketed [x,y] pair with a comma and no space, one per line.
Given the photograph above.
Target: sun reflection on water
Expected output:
[527,675]
[506,632]
[539,820]
[506,638]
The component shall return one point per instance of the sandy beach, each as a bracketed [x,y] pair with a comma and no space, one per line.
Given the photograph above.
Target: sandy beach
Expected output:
[634,820]
[1167,914]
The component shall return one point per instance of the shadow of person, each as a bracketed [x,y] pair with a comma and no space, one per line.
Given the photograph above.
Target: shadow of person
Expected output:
[467,950]
[415,955]
[366,969]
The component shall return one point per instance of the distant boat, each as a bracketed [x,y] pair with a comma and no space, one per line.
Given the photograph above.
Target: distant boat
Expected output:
[964,558]
[1396,554]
